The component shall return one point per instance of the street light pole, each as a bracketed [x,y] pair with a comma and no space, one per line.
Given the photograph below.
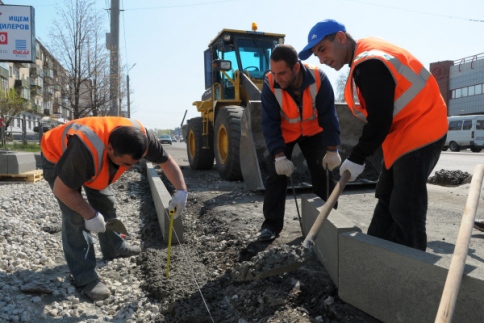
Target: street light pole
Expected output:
[127,88]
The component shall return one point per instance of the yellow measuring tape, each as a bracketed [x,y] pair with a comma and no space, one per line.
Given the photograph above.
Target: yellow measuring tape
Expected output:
[172,213]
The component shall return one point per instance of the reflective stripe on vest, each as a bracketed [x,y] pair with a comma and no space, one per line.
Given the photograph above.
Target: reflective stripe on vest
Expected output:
[312,89]
[418,81]
[419,111]
[93,139]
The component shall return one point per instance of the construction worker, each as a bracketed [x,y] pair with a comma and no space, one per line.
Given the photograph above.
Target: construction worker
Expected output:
[405,114]
[297,108]
[92,153]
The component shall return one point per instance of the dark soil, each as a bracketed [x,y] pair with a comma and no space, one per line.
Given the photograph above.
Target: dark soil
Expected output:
[221,224]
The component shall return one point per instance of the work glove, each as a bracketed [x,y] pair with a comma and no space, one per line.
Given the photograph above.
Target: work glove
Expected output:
[354,169]
[177,203]
[331,160]
[284,166]
[96,224]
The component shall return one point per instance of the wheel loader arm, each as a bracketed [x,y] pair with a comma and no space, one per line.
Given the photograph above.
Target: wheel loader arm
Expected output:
[250,88]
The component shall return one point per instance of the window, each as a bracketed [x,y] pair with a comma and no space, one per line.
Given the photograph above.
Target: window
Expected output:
[467,125]
[478,89]
[458,93]
[464,91]
[455,125]
[480,124]
[471,90]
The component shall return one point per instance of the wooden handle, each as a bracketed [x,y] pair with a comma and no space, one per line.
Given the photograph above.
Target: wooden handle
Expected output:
[326,209]
[456,269]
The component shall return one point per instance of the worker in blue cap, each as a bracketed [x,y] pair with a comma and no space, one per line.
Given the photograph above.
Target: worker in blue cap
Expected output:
[405,114]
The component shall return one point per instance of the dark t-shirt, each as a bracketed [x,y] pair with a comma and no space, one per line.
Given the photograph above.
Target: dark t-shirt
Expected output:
[76,165]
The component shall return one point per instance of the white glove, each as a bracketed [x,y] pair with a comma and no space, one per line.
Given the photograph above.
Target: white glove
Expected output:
[354,169]
[177,203]
[96,224]
[284,166]
[331,160]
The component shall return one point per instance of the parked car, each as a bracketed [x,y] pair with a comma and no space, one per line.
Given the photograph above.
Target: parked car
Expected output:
[165,139]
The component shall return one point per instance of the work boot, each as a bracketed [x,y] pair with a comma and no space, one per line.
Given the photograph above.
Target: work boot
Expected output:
[128,252]
[479,225]
[267,235]
[97,290]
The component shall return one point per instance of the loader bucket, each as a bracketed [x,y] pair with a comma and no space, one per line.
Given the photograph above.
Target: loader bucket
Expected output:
[254,154]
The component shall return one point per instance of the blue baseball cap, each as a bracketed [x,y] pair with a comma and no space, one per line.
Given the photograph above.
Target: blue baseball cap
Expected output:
[318,32]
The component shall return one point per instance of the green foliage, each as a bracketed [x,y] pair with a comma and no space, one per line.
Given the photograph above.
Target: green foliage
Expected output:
[11,104]
[29,147]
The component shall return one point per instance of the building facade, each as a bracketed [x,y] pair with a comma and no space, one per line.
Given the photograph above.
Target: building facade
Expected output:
[43,87]
[461,83]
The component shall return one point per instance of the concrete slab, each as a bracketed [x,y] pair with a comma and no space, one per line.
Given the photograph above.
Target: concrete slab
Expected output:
[14,162]
[327,241]
[161,198]
[394,283]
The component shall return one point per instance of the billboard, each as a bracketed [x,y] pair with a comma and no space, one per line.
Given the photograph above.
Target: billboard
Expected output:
[17,34]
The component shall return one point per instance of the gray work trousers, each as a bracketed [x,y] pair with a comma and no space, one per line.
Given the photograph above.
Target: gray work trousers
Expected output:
[77,242]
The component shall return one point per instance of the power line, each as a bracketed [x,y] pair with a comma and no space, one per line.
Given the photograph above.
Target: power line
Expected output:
[416,11]
[181,5]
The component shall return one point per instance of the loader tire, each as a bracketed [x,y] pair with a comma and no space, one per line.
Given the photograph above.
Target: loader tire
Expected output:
[199,157]
[227,142]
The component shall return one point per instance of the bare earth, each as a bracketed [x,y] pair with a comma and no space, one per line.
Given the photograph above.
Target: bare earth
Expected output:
[221,224]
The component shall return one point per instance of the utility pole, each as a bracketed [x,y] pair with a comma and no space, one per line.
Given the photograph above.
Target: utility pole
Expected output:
[127,88]
[112,42]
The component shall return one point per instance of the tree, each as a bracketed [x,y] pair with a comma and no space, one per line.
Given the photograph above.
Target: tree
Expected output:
[75,41]
[11,104]
[340,87]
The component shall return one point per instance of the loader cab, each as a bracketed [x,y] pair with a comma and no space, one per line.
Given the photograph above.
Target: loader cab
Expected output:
[233,52]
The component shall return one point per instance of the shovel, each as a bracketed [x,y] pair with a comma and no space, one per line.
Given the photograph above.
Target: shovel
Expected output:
[117,226]
[297,257]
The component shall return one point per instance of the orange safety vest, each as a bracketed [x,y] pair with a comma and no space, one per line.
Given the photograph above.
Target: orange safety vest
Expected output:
[293,125]
[419,111]
[94,133]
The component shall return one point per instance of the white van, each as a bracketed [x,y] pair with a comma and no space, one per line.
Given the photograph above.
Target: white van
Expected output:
[465,132]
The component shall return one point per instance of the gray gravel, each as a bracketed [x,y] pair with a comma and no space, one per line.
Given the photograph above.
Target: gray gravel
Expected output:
[35,283]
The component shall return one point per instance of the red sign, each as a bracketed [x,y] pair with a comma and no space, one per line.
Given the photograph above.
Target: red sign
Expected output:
[3,38]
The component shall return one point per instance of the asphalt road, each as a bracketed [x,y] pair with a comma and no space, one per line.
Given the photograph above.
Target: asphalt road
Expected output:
[464,160]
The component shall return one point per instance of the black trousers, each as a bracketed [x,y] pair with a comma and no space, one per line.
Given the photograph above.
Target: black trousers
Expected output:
[313,151]
[401,212]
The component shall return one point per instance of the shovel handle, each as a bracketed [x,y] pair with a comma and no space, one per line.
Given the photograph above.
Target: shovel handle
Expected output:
[456,269]
[326,209]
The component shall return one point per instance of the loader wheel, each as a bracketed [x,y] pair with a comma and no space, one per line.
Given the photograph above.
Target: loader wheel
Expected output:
[454,146]
[227,143]
[200,158]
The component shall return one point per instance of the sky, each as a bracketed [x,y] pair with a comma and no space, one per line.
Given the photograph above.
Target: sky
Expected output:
[165,39]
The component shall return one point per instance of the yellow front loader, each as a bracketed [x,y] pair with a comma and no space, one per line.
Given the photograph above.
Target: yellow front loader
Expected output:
[229,130]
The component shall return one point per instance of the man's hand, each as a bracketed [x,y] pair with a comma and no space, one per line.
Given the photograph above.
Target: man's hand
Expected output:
[354,169]
[284,166]
[331,160]
[96,224]
[178,202]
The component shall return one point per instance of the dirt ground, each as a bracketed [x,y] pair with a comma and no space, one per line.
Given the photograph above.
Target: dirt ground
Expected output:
[221,223]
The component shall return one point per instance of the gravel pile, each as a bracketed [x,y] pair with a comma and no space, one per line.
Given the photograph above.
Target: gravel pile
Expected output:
[35,283]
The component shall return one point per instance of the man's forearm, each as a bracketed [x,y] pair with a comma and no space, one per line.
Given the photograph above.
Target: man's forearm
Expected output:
[73,199]
[174,174]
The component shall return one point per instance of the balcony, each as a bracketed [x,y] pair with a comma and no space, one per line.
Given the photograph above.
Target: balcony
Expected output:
[25,84]
[57,87]
[24,94]
[4,73]
[49,73]
[36,82]
[36,71]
